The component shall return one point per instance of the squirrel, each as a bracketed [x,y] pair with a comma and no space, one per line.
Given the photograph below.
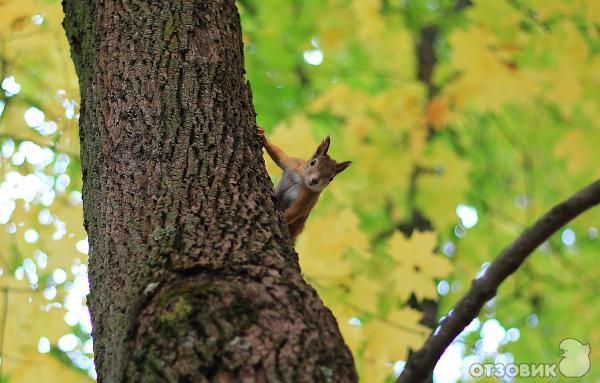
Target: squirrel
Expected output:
[302,182]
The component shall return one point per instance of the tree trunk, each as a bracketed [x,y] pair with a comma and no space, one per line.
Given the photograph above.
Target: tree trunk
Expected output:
[193,275]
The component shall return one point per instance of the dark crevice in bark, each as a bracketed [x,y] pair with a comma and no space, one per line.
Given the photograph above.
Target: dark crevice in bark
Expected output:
[193,275]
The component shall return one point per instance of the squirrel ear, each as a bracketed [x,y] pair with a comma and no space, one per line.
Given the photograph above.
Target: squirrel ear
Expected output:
[342,166]
[323,147]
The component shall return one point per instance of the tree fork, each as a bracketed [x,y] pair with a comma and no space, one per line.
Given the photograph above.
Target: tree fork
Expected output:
[192,272]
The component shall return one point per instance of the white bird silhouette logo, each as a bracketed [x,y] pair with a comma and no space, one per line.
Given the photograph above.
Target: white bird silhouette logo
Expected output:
[575,360]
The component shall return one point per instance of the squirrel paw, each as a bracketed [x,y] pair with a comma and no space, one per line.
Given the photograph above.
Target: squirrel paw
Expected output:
[261,133]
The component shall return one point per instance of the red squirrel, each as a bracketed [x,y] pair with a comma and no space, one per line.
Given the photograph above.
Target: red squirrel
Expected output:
[302,181]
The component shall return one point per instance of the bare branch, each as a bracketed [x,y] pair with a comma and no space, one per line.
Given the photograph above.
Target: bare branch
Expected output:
[421,364]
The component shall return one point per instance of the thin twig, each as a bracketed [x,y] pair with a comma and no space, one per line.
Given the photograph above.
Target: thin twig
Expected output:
[421,364]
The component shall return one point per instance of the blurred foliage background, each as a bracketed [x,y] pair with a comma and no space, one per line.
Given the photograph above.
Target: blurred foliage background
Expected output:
[465,120]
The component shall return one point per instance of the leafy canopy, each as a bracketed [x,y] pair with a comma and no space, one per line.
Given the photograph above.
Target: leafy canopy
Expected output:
[464,123]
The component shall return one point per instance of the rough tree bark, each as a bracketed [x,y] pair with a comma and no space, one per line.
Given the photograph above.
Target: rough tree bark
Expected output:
[193,275]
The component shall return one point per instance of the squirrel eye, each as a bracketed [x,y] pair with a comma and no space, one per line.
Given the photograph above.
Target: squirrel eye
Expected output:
[313,162]
[331,179]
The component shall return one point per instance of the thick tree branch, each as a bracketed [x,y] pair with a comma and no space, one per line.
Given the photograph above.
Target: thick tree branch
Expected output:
[421,364]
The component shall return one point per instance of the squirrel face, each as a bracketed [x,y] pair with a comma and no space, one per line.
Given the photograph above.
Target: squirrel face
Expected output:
[320,170]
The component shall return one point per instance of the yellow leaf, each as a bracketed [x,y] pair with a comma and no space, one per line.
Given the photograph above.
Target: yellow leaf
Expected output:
[43,368]
[441,191]
[400,108]
[376,369]
[551,8]
[29,319]
[488,79]
[437,112]
[326,240]
[353,335]
[569,51]
[364,293]
[580,149]
[417,265]
[341,101]
[390,340]
[592,12]
[368,18]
